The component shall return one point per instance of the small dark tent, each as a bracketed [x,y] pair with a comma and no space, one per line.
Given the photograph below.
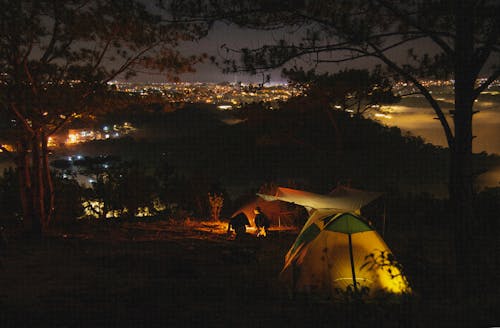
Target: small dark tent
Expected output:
[279,213]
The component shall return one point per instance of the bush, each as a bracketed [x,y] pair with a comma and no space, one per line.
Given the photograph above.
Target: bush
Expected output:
[68,202]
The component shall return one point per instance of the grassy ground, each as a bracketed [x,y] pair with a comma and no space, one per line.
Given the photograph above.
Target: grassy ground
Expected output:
[160,275]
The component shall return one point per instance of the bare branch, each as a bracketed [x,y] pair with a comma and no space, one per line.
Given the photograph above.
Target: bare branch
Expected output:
[437,109]
[367,54]
[129,62]
[406,17]
[495,75]
[62,48]
[101,56]
[23,120]
[53,36]
[59,125]
[410,94]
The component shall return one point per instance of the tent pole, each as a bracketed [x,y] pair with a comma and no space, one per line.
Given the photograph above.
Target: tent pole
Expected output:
[352,264]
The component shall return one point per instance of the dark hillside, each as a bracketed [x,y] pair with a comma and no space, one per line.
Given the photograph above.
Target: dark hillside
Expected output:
[294,143]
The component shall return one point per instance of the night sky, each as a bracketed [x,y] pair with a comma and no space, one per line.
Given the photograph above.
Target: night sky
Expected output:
[236,38]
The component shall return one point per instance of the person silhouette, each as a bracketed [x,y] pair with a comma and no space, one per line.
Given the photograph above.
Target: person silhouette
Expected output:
[238,223]
[262,222]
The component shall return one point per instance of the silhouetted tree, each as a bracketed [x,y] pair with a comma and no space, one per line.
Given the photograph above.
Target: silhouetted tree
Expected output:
[137,189]
[68,200]
[352,90]
[443,38]
[56,58]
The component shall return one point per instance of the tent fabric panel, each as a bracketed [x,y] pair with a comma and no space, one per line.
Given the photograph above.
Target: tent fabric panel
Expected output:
[306,236]
[371,249]
[317,216]
[342,199]
[327,265]
[360,196]
[347,223]
[319,202]
[323,266]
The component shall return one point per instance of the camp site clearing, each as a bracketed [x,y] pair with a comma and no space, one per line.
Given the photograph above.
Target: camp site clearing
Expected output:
[166,275]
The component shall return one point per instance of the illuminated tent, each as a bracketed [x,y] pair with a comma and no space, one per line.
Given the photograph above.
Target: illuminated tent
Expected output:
[337,250]
[278,212]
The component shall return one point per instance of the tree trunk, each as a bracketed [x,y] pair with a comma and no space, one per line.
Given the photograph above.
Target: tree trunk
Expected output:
[25,187]
[50,199]
[34,177]
[38,199]
[461,170]
[461,201]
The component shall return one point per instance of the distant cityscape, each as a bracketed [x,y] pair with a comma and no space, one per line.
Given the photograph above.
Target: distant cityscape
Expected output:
[224,96]
[232,95]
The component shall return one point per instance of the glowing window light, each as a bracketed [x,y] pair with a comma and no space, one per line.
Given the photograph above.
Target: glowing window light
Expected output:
[51,142]
[72,138]
[224,107]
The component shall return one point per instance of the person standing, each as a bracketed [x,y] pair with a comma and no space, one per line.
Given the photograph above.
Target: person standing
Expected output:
[262,222]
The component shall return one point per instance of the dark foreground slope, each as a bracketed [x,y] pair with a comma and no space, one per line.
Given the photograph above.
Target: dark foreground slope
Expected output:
[125,276]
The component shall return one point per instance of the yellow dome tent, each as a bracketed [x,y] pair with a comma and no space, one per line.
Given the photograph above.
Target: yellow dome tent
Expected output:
[338,250]
[342,251]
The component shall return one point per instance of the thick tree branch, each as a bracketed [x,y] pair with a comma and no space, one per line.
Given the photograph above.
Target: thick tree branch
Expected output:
[495,75]
[30,78]
[423,90]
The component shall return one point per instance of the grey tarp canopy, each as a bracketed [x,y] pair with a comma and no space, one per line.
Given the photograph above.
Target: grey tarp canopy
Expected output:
[341,199]
[278,212]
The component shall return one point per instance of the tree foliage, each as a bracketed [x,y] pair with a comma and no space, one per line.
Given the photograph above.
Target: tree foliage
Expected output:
[352,90]
[56,58]
[119,188]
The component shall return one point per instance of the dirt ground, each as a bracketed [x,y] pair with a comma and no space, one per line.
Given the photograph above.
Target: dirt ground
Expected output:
[163,275]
